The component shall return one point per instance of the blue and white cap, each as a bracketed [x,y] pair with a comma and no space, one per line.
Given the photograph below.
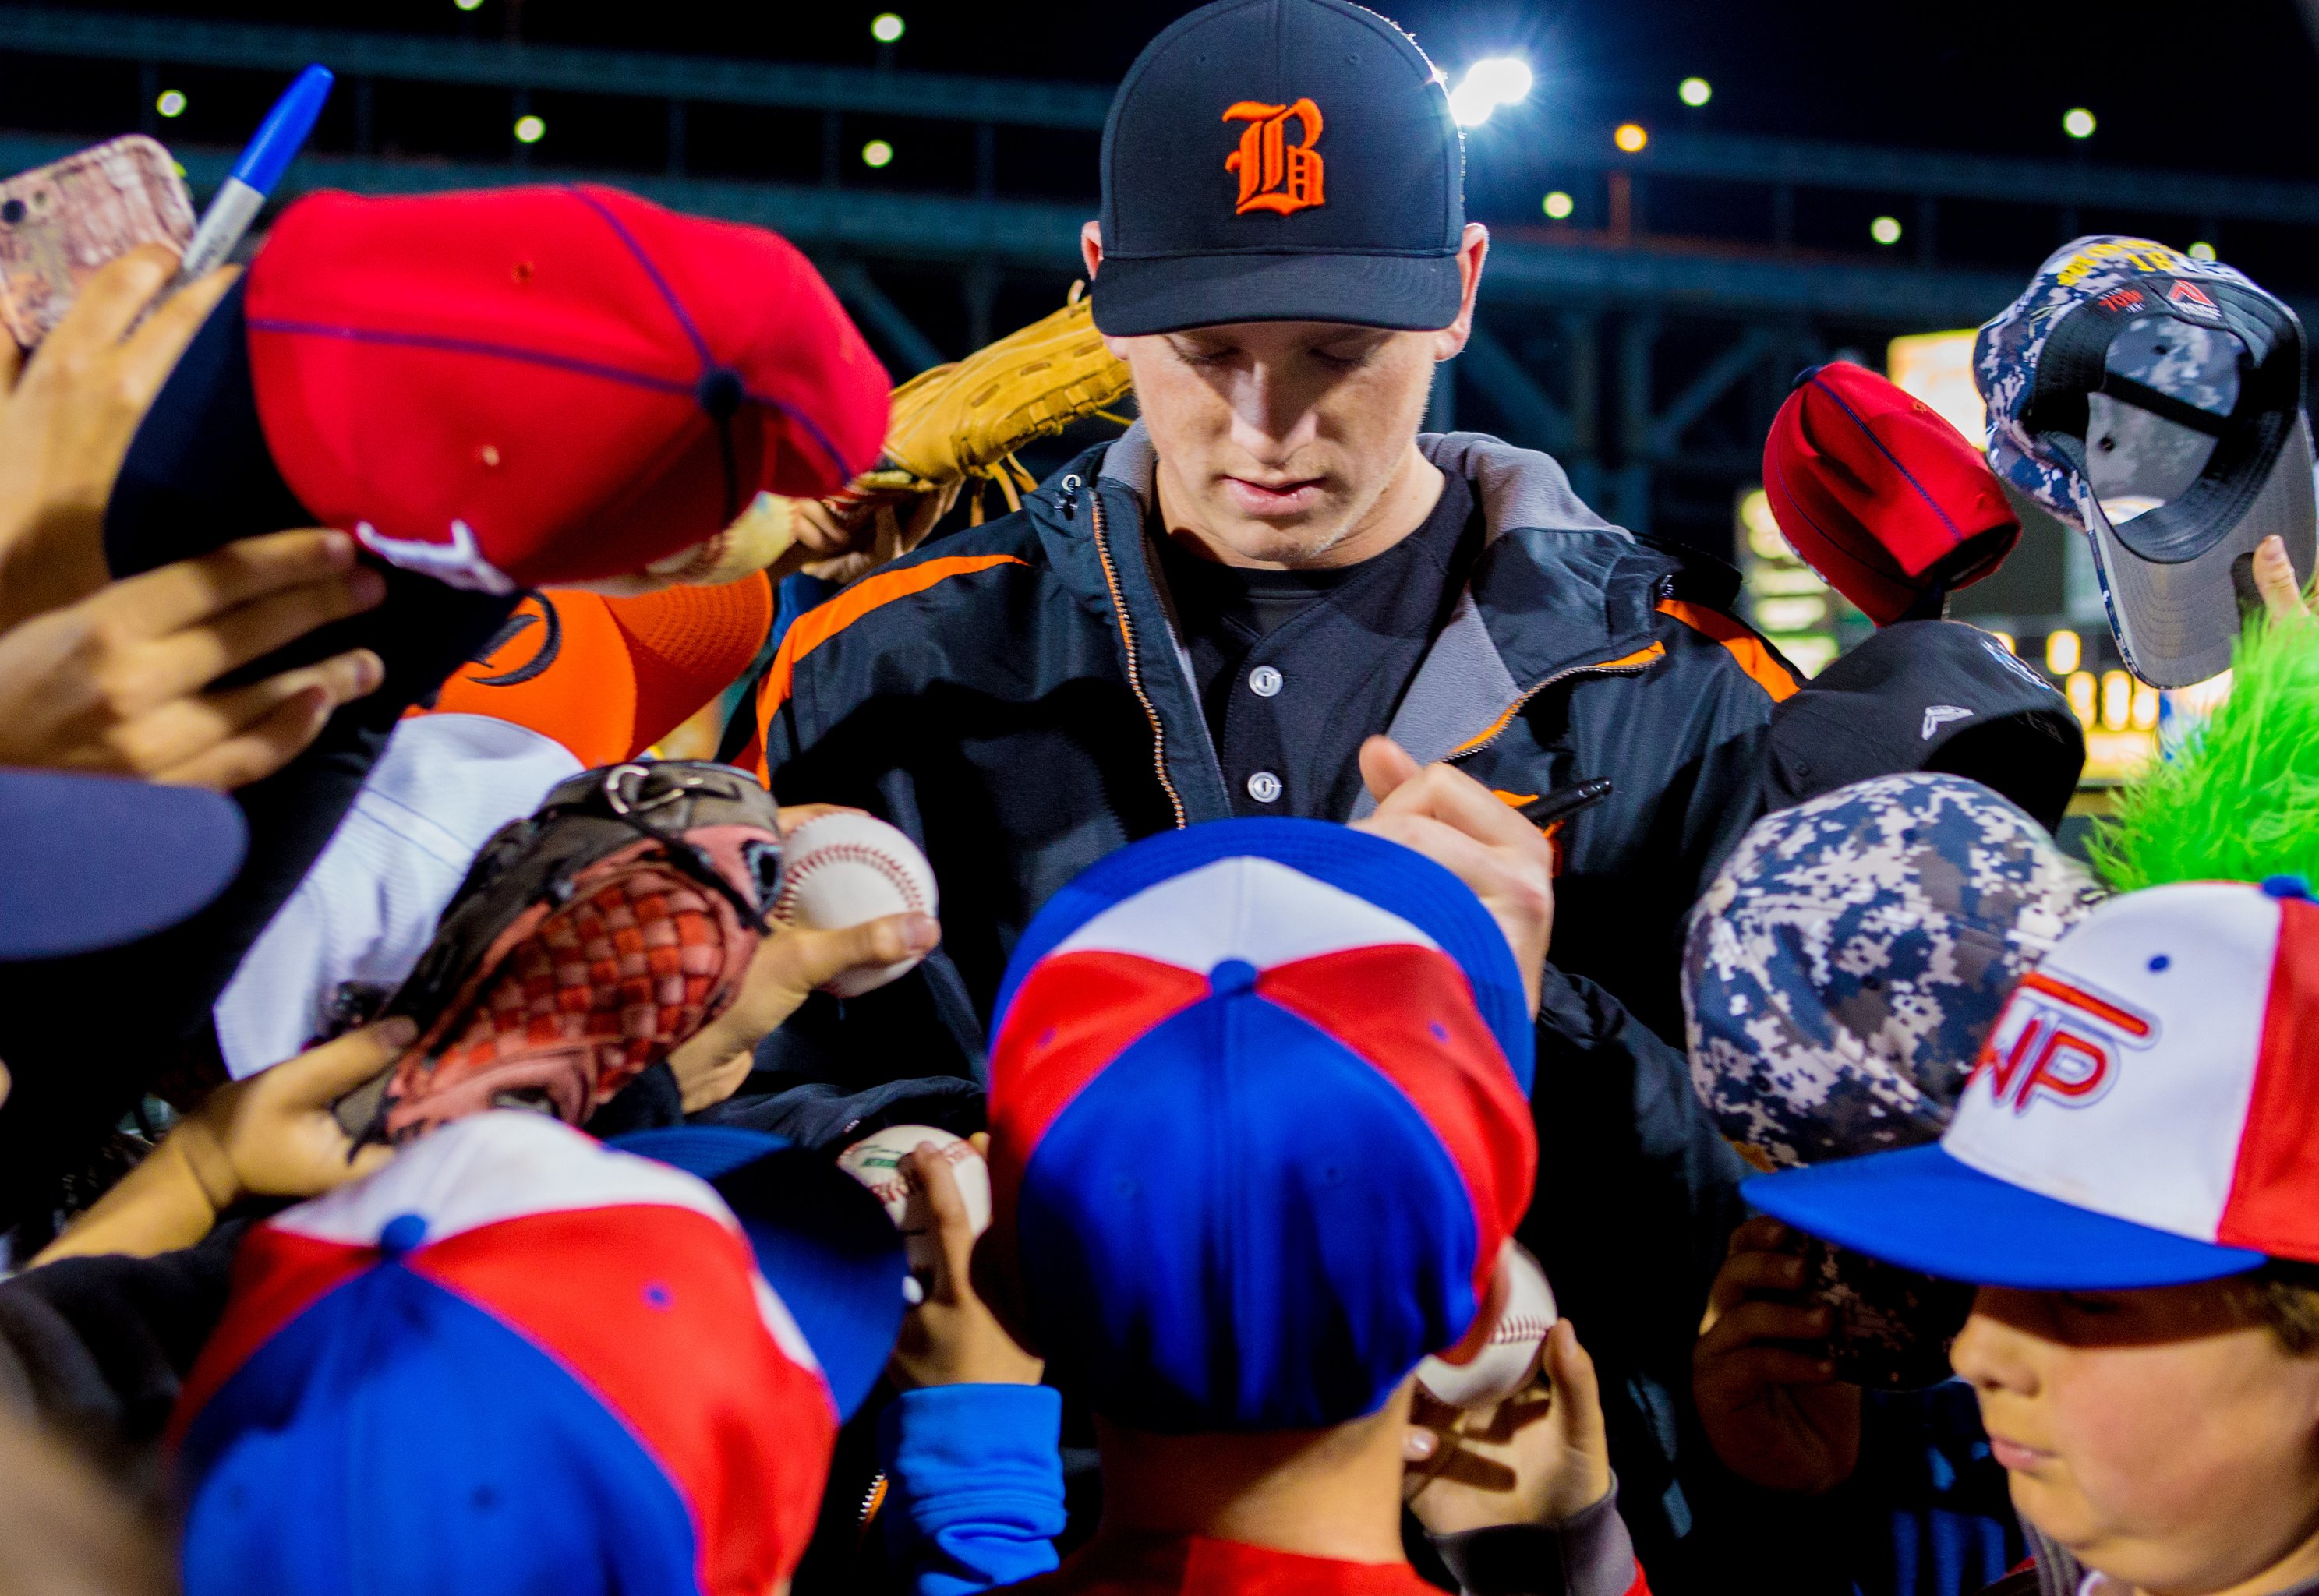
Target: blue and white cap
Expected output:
[2155,402]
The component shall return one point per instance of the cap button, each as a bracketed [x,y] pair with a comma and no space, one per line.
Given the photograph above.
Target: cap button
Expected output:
[1231,976]
[401,1233]
[2288,886]
[720,391]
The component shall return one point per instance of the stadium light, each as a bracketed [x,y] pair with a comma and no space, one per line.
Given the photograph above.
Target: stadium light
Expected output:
[2064,649]
[1560,205]
[2077,122]
[1488,84]
[1694,91]
[1885,230]
[886,27]
[171,103]
[2202,250]
[1631,137]
[529,130]
[468,5]
[877,153]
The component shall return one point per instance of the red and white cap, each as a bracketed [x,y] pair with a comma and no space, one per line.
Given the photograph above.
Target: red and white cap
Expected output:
[2146,1112]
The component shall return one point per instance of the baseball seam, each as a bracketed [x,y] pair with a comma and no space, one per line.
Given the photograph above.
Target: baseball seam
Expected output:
[885,864]
[1521,1327]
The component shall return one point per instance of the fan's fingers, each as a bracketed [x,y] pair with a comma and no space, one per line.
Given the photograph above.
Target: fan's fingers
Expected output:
[164,740]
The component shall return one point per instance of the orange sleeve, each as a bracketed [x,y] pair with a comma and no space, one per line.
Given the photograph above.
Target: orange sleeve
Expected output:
[559,667]
[685,645]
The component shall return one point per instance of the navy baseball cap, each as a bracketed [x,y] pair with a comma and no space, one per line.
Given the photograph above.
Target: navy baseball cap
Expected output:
[1280,160]
[93,862]
[2155,402]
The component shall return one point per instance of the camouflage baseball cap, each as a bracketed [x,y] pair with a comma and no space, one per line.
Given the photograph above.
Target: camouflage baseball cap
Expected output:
[1838,980]
[2155,402]
[1842,970]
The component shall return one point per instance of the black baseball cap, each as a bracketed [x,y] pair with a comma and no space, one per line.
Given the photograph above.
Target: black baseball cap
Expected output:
[1280,160]
[1930,695]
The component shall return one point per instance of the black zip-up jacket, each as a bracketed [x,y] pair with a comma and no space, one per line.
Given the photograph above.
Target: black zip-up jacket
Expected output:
[1015,698]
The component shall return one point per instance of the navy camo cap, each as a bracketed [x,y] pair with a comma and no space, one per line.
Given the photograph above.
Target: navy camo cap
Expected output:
[2155,402]
[2161,330]
[1841,972]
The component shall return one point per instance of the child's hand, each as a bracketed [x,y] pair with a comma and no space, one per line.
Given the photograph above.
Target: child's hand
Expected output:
[1539,1458]
[950,1338]
[272,1135]
[1767,1393]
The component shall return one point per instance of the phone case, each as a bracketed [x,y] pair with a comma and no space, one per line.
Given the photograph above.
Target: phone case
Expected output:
[59,223]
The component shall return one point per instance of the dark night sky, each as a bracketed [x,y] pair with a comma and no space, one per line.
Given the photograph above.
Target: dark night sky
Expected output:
[2208,85]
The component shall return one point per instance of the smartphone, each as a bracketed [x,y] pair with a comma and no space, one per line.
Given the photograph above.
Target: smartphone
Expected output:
[60,222]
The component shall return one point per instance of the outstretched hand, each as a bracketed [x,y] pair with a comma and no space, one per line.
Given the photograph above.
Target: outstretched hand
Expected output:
[67,413]
[1540,1456]
[1765,1387]
[1457,823]
[2274,579]
[272,1135]
[119,681]
[790,965]
[950,1338]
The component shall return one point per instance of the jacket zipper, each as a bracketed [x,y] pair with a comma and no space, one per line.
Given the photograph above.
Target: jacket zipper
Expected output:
[1514,714]
[1134,671]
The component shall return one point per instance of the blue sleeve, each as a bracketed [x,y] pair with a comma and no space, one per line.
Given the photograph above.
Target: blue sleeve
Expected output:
[975,1486]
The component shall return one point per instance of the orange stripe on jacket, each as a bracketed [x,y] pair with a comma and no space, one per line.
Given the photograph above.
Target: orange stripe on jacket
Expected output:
[1755,656]
[818,625]
[1641,657]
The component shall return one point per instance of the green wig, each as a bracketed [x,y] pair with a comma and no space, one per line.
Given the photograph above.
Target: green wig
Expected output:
[2238,800]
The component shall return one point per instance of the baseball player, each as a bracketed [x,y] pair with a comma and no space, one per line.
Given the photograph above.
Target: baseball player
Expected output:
[1216,614]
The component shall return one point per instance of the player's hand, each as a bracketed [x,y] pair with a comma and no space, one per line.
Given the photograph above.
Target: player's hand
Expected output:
[117,681]
[790,966]
[67,415]
[2274,579]
[1458,824]
[950,1338]
[1766,1392]
[1538,1458]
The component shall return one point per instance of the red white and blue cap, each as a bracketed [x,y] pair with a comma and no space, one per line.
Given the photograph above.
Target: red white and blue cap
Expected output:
[1260,1124]
[517,1360]
[2145,1113]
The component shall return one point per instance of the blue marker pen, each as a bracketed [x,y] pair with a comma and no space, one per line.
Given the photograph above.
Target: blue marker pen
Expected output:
[242,195]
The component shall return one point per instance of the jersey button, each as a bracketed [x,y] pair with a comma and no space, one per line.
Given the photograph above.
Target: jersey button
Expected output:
[1264,682]
[1264,786]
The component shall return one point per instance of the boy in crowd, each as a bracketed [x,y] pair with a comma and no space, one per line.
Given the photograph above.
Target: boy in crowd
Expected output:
[1259,1138]
[2130,1182]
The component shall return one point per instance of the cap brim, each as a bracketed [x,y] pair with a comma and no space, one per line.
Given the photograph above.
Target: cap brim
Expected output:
[93,862]
[1924,1210]
[2175,623]
[1167,294]
[821,1240]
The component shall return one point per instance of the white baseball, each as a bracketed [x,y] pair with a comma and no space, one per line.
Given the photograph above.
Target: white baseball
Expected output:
[876,1162]
[843,869]
[1508,1361]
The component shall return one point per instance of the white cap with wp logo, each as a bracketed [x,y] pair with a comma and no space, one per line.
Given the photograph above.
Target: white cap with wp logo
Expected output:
[2145,1113]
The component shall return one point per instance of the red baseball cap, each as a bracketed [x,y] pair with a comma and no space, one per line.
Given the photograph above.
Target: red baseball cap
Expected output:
[519,386]
[1879,495]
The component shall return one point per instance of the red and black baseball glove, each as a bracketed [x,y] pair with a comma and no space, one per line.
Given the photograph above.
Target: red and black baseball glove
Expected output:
[587,943]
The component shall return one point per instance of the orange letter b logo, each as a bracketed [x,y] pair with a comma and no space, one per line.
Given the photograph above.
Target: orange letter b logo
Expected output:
[1273,174]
